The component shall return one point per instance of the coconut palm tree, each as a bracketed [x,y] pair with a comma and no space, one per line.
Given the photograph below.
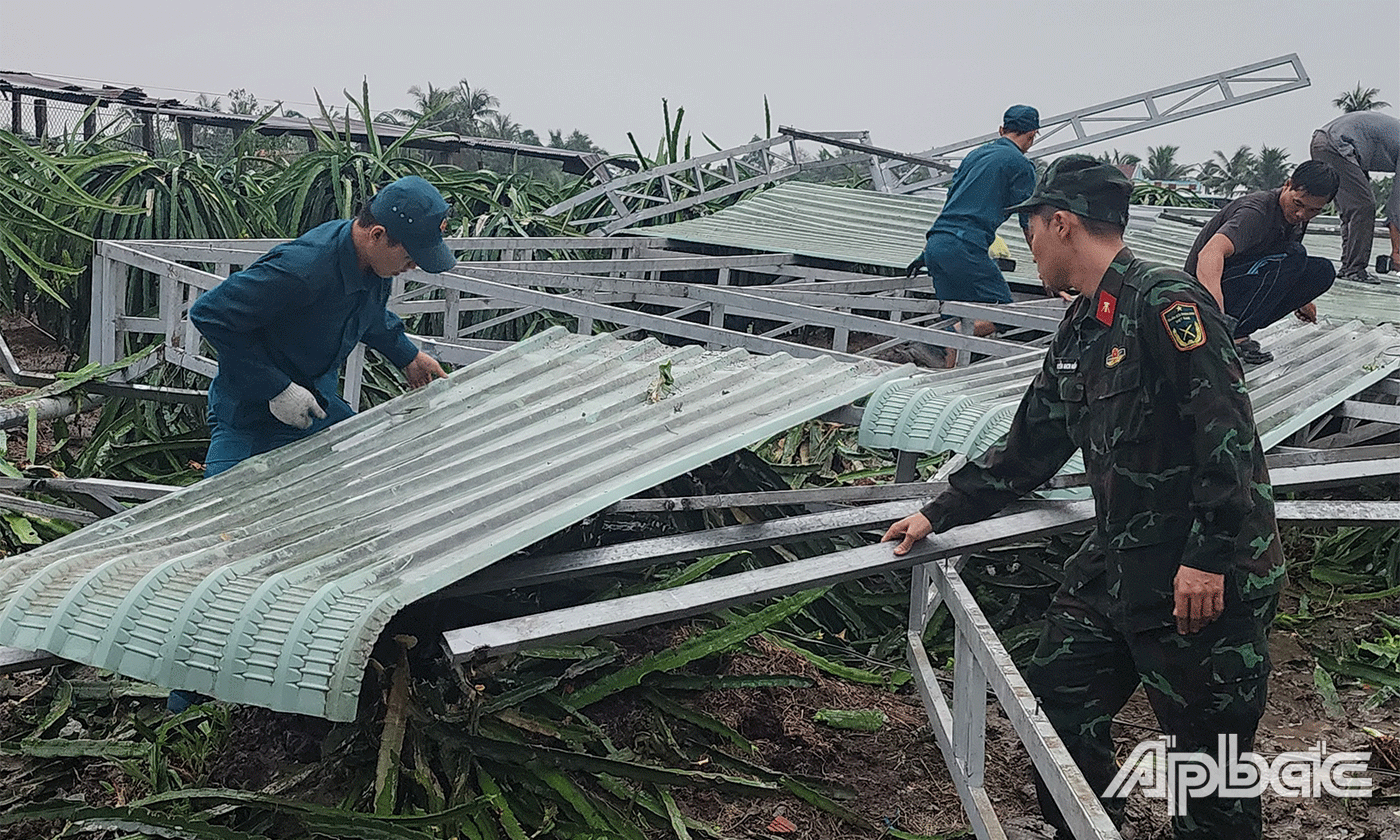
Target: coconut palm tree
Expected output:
[501,127]
[1211,176]
[576,140]
[1162,166]
[1360,99]
[1118,158]
[436,107]
[1236,170]
[1270,168]
[476,106]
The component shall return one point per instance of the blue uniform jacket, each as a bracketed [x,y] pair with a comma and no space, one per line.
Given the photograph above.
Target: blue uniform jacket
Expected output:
[993,177]
[294,315]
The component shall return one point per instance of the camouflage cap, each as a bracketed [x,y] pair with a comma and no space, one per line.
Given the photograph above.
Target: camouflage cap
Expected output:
[1084,186]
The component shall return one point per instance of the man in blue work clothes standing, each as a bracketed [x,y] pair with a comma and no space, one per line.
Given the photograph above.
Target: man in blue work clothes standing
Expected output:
[284,326]
[992,178]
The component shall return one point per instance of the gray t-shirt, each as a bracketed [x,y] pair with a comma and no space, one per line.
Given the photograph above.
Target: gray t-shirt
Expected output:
[1372,140]
[1254,224]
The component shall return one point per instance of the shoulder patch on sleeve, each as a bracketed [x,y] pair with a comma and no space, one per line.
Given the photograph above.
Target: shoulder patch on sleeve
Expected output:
[1184,327]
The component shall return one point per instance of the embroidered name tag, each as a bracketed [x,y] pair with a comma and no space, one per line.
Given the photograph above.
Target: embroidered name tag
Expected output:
[1066,365]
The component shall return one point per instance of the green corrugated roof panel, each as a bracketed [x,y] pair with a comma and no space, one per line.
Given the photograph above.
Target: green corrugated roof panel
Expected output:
[270,583]
[877,229]
[815,220]
[966,410]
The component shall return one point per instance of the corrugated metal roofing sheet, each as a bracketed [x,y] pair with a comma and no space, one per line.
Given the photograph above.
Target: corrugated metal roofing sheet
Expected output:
[270,583]
[815,220]
[876,229]
[1315,368]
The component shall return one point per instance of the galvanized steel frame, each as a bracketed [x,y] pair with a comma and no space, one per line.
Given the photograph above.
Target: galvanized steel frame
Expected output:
[1149,110]
[521,285]
[980,661]
[677,186]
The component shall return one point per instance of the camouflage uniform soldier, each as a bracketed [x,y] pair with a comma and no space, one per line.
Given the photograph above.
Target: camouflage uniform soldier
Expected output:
[1177,585]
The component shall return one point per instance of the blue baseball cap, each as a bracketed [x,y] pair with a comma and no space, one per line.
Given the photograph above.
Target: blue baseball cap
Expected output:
[413,212]
[1020,118]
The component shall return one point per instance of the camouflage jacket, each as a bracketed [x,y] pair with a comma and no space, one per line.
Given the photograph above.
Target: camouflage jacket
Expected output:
[1143,378]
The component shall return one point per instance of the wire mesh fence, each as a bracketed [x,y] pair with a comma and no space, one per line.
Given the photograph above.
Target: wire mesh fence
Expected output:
[37,119]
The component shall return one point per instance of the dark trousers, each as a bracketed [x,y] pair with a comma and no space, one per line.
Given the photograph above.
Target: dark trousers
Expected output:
[1200,686]
[231,445]
[1356,204]
[1261,290]
[961,270]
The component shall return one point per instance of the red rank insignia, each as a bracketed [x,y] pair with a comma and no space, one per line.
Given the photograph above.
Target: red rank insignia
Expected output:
[1104,307]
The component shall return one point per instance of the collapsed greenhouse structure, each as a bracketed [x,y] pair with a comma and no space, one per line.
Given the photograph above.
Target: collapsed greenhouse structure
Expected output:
[270,584]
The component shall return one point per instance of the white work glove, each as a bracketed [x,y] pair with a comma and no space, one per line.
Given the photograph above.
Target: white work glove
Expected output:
[295,406]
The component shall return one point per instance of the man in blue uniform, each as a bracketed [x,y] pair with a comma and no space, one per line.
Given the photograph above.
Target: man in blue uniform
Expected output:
[993,177]
[284,325]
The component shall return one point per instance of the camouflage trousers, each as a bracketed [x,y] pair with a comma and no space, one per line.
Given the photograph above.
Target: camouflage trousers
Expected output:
[1200,686]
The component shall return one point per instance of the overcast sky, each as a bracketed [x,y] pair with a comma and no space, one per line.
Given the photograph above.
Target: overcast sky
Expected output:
[914,74]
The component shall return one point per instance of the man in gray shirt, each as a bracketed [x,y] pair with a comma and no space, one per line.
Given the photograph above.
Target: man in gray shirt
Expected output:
[1354,145]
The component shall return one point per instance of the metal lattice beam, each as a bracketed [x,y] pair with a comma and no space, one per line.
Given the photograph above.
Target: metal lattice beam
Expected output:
[1128,114]
[677,186]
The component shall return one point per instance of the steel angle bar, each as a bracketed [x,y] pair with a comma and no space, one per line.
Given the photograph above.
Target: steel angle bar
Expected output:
[817,275]
[633,611]
[977,805]
[13,660]
[808,296]
[834,139]
[1035,518]
[668,263]
[1376,412]
[457,351]
[684,204]
[232,251]
[617,185]
[1352,437]
[746,302]
[1288,456]
[638,320]
[1157,107]
[44,509]
[1002,315]
[1306,469]
[817,495]
[12,370]
[1334,513]
[157,265]
[134,490]
[194,362]
[1312,476]
[1078,802]
[549,243]
[533,571]
[875,288]
[513,315]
